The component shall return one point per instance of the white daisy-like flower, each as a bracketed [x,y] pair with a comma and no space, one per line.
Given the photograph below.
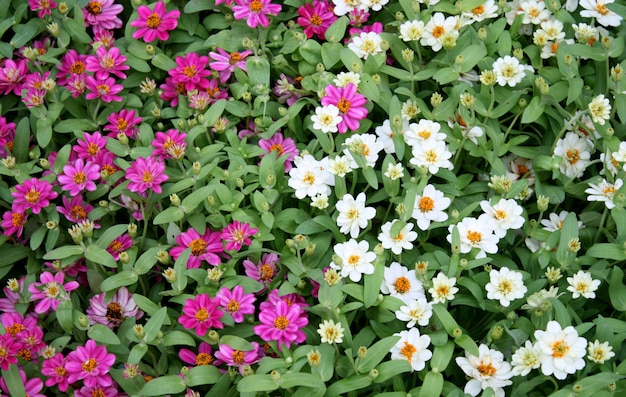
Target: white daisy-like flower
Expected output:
[402,240]
[604,191]
[353,214]
[555,221]
[430,207]
[443,288]
[576,154]
[310,177]
[553,28]
[505,285]
[487,370]
[611,163]
[342,7]
[472,133]
[340,166]
[409,110]
[599,352]
[424,130]
[401,283]
[366,44]
[413,348]
[475,234]
[375,5]
[345,78]
[412,30]
[417,311]
[433,155]
[525,359]
[437,29]
[562,350]
[582,284]
[597,9]
[363,144]
[487,10]
[586,34]
[600,109]
[319,201]
[509,71]
[504,215]
[330,332]
[534,11]
[355,259]
[394,171]
[326,118]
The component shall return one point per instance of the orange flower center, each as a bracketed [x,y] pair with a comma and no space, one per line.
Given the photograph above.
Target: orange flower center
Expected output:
[238,357]
[500,214]
[79,177]
[16,219]
[24,354]
[3,351]
[281,323]
[278,148]
[573,155]
[403,285]
[316,20]
[426,204]
[343,105]
[266,272]
[78,212]
[602,10]
[353,260]
[486,369]
[33,196]
[234,58]
[15,329]
[201,315]
[559,348]
[256,6]
[431,156]
[94,8]
[153,21]
[474,237]
[232,306]
[93,149]
[407,351]
[190,71]
[114,312]
[98,393]
[147,177]
[480,10]
[204,359]
[61,371]
[115,246]
[309,178]
[438,31]
[121,124]
[425,134]
[90,365]
[198,247]
[103,89]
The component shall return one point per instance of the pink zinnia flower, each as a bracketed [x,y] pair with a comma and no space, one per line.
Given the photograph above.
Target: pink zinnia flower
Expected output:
[114,311]
[169,144]
[123,122]
[282,146]
[76,269]
[146,173]
[90,146]
[205,247]
[236,234]
[35,80]
[43,6]
[50,291]
[215,91]
[102,15]
[97,390]
[103,38]
[75,210]
[265,271]
[7,132]
[155,24]
[201,313]
[274,297]
[32,386]
[226,63]
[239,358]
[91,364]
[105,89]
[236,302]
[13,223]
[10,347]
[171,91]
[79,176]
[33,98]
[76,84]
[349,103]
[203,357]
[72,64]
[255,12]
[11,76]
[106,62]
[54,369]
[191,71]
[283,324]
[32,342]
[119,245]
[33,194]
[315,18]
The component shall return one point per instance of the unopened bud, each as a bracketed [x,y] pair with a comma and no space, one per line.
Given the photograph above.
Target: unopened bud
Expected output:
[542,203]
[214,337]
[124,257]
[170,275]
[314,358]
[132,229]
[174,199]
[497,332]
[436,99]
[139,332]
[51,225]
[150,49]
[457,333]
[362,352]
[163,257]
[214,274]
[83,321]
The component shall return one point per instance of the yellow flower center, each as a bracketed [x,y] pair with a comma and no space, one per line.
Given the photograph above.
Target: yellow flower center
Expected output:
[153,21]
[201,315]
[474,237]
[403,285]
[232,306]
[407,351]
[573,155]
[198,247]
[238,357]
[559,348]
[33,196]
[486,369]
[426,204]
[204,359]
[281,322]
[316,20]
[79,177]
[94,8]
[90,365]
[343,105]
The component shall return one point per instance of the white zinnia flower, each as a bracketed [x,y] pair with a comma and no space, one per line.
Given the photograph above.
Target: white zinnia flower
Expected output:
[412,30]
[355,258]
[353,214]
[534,11]
[365,144]
[432,155]
[597,9]
[366,44]
[413,348]
[394,171]
[525,359]
[576,154]
[599,352]
[401,283]
[487,370]
[487,10]
[375,5]
[400,241]
[345,78]
[436,29]
[540,300]
[310,177]
[475,234]
[555,221]
[443,288]
[319,201]
[342,7]
[604,191]
[424,130]
[330,332]
[562,350]
[581,284]
[504,215]
[509,71]
[340,166]
[430,207]
[505,285]
[385,135]
[600,109]
[326,118]
[417,311]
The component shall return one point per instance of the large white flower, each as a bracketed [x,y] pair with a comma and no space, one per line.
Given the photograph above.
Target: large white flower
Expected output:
[604,191]
[416,311]
[475,234]
[487,370]
[424,130]
[413,348]
[562,350]
[525,359]
[355,259]
[340,166]
[509,71]
[412,30]
[429,207]
[401,283]
[581,284]
[597,9]
[310,177]
[353,214]
[443,288]
[402,240]
[505,285]
[366,44]
[437,29]
[576,154]
[363,144]
[432,155]
[504,215]
[326,118]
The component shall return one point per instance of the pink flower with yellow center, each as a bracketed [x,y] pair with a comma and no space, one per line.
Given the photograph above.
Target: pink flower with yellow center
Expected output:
[91,364]
[282,146]
[106,62]
[13,223]
[350,105]
[50,291]
[226,63]
[237,234]
[146,174]
[255,12]
[191,72]
[282,323]
[201,313]
[204,247]
[103,89]
[155,24]
[33,194]
[79,176]
[236,302]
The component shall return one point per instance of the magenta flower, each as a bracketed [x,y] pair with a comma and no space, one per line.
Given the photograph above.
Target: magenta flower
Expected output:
[236,302]
[72,63]
[11,76]
[43,6]
[33,98]
[33,194]
[171,91]
[288,90]
[119,245]
[226,63]
[274,297]
[169,144]
[191,71]
[205,247]
[123,122]
[236,234]
[106,62]
[102,15]
[255,12]
[35,80]
[50,291]
[54,369]
[315,18]
[90,146]
[91,364]
[146,173]
[265,271]
[155,24]
[75,210]
[282,146]
[115,310]
[105,89]
[79,176]
[239,358]
[215,92]
[283,324]
[10,347]
[103,38]
[203,357]
[201,313]
[349,103]
[13,223]
[97,390]
[7,132]
[76,84]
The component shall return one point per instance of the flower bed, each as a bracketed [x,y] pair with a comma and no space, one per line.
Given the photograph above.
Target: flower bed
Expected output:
[235,197]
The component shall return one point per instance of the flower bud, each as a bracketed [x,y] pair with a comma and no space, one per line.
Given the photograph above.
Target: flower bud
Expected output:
[408,55]
[124,257]
[9,162]
[163,257]
[150,49]
[214,337]
[542,203]
[488,77]
[606,42]
[13,285]
[174,199]
[139,332]
[376,78]
[467,100]
[457,333]
[214,274]
[310,250]
[436,99]
[399,16]
[373,373]
[314,358]
[53,29]
[51,225]
[362,352]
[132,229]
[497,332]
[63,8]
[170,275]
[76,234]
[83,321]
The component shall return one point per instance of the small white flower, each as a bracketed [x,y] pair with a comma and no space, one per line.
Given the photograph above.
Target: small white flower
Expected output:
[599,352]
[424,130]
[342,7]
[375,5]
[475,234]
[576,154]
[432,155]
[525,359]
[401,283]
[555,221]
[597,9]
[394,171]
[581,284]
[353,214]
[355,258]
[310,177]
[331,332]
[326,118]
[509,71]
[430,207]
[586,34]
[417,311]
[505,285]
[487,370]
[340,166]
[600,109]
[409,110]
[319,201]
[438,28]
[413,348]
[345,78]
[504,215]
[412,30]
[363,144]
[366,44]
[487,10]
[400,241]
[534,11]
[443,288]
[604,191]
[562,350]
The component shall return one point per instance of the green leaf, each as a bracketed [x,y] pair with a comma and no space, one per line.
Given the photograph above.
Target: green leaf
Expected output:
[169,384]
[446,319]
[390,369]
[171,214]
[24,33]
[44,131]
[13,381]
[575,89]
[446,75]
[153,326]
[442,356]
[103,334]
[607,251]
[256,383]
[146,261]
[372,283]
[100,256]
[236,342]
[137,353]
[65,315]
[123,278]
[203,375]
[330,54]
[258,69]
[569,231]
[346,385]
[376,353]
[71,125]
[173,338]
[191,202]
[467,343]
[433,384]
[617,289]
[294,379]
[111,234]
[21,140]
[533,111]
[163,62]
[337,30]
[63,252]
